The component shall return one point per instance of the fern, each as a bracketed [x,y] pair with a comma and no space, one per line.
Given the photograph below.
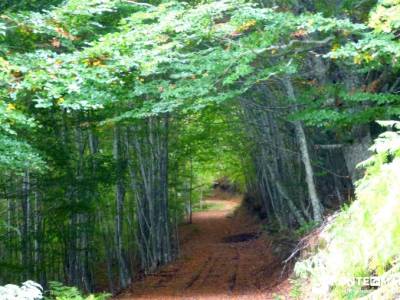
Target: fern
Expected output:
[60,292]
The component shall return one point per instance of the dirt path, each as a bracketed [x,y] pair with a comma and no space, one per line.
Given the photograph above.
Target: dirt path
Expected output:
[223,256]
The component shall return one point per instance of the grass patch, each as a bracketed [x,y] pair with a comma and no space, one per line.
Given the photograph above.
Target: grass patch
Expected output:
[208,206]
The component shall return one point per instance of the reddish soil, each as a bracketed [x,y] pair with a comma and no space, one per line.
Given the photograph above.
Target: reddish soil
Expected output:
[224,255]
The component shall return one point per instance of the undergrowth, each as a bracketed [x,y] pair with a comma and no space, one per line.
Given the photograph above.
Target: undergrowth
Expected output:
[60,292]
[363,240]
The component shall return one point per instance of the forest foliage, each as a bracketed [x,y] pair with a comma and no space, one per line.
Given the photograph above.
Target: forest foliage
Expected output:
[116,115]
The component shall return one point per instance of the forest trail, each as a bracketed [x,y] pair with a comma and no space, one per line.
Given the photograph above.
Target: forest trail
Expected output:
[223,256]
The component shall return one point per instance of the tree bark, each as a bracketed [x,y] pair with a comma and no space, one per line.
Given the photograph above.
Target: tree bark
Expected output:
[124,279]
[26,211]
[302,140]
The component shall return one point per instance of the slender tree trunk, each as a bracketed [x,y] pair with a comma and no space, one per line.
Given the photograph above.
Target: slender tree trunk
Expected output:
[301,138]
[119,199]
[191,192]
[36,244]
[25,225]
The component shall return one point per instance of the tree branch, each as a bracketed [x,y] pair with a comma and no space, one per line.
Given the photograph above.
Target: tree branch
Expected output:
[293,42]
[329,147]
[139,3]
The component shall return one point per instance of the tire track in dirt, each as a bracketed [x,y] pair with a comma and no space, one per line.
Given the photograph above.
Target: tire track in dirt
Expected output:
[198,274]
[233,277]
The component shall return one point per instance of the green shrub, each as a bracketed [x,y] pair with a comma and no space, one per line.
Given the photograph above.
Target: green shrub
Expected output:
[306,228]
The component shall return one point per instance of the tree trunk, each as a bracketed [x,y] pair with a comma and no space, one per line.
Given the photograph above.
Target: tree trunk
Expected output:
[26,262]
[119,202]
[301,138]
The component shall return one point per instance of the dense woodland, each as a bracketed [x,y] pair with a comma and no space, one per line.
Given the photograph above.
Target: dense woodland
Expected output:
[116,116]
